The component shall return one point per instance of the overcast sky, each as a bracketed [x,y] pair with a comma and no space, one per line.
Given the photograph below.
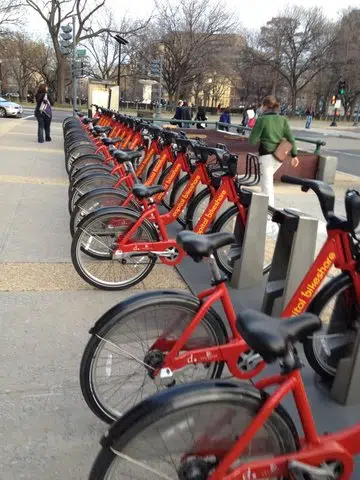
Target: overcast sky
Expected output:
[251,14]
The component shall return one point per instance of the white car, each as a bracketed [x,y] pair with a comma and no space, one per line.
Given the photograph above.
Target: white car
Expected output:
[9,109]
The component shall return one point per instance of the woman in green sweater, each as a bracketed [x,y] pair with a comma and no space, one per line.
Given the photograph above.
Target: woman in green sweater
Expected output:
[269,130]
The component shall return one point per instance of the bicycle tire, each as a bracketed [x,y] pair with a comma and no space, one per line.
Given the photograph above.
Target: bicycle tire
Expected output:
[314,348]
[74,153]
[89,243]
[142,308]
[187,409]
[222,259]
[96,199]
[89,169]
[83,161]
[90,183]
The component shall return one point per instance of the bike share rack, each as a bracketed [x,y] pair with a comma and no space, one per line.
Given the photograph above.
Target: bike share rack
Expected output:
[346,387]
[293,255]
[248,269]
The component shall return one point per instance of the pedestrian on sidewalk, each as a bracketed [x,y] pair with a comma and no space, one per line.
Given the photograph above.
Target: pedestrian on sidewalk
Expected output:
[201,117]
[269,131]
[178,114]
[43,113]
[309,116]
[186,113]
[225,118]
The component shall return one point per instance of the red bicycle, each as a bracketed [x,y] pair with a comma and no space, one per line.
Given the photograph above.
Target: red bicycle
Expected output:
[179,337]
[129,242]
[228,431]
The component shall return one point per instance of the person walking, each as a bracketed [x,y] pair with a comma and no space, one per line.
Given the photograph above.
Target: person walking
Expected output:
[43,113]
[186,114]
[309,113]
[225,117]
[269,132]
[178,114]
[201,117]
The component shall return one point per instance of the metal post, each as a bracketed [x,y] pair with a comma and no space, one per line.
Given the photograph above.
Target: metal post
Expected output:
[118,79]
[158,110]
[74,67]
[248,269]
[333,123]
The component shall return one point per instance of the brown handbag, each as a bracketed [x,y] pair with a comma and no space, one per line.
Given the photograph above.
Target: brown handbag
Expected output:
[282,150]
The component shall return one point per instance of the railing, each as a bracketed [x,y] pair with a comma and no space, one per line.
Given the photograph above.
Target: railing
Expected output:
[238,128]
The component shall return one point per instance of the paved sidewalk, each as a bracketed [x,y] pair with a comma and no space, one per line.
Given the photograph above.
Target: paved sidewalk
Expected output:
[48,432]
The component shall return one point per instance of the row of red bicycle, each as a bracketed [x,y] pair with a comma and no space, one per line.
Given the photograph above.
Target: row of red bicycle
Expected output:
[161,342]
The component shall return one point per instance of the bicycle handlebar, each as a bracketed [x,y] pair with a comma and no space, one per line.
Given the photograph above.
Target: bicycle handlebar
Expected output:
[323,191]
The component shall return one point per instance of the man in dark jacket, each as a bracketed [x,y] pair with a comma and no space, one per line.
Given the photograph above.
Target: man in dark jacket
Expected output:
[178,114]
[186,113]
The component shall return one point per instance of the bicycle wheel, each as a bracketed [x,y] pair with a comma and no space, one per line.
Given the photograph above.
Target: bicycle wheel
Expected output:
[96,199]
[230,221]
[113,374]
[164,436]
[94,243]
[84,161]
[89,183]
[337,307]
[89,169]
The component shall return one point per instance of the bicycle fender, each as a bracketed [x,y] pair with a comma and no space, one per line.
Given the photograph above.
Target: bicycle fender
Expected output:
[139,300]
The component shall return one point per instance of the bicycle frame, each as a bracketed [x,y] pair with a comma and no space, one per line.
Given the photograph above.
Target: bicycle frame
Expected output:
[125,245]
[315,449]
[335,251]
[228,352]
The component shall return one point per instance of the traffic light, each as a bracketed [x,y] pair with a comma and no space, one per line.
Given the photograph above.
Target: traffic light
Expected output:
[155,68]
[66,41]
[333,100]
[341,89]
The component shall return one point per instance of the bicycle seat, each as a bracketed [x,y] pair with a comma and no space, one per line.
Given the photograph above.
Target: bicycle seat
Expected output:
[86,120]
[122,156]
[323,191]
[99,129]
[142,191]
[110,141]
[199,246]
[270,337]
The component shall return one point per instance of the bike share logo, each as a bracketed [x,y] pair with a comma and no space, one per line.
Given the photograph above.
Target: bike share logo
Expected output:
[312,286]
[210,212]
[185,195]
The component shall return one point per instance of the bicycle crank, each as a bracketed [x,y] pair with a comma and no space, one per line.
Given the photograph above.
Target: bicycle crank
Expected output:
[327,471]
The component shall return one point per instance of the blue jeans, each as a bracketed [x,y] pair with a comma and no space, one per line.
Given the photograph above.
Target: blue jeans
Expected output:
[308,121]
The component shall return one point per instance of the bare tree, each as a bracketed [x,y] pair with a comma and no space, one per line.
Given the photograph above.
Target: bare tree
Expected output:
[19,51]
[295,44]
[187,31]
[57,12]
[9,14]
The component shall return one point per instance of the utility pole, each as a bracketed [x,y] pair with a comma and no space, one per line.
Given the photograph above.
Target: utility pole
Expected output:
[74,68]
[160,86]
[121,41]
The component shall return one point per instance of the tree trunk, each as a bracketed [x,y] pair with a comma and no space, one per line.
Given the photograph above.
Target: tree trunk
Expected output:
[293,102]
[60,78]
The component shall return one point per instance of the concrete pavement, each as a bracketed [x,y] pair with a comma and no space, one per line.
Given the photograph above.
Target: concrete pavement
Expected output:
[48,431]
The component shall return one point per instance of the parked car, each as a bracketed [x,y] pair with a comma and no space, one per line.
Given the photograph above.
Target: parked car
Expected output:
[9,109]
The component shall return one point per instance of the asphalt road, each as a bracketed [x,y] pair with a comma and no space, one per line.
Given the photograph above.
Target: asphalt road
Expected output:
[346,149]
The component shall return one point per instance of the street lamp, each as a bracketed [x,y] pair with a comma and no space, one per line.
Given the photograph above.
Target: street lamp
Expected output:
[121,41]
